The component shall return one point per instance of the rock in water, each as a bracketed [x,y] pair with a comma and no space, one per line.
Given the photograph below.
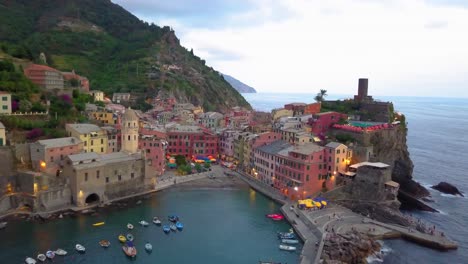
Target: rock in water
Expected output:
[448,188]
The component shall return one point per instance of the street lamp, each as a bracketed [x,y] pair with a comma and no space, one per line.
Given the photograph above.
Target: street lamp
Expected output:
[295,188]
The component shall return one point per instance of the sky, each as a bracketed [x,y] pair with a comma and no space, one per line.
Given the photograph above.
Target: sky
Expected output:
[404,47]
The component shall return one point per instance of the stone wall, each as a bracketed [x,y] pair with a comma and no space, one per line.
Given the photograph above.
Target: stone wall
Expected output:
[53,199]
[124,188]
[22,153]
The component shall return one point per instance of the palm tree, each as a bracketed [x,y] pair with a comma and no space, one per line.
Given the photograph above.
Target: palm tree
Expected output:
[321,96]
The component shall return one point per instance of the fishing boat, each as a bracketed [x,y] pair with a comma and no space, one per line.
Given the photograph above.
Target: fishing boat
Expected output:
[3,225]
[166,229]
[80,248]
[60,252]
[99,224]
[143,223]
[148,246]
[156,221]
[173,218]
[129,237]
[173,227]
[41,257]
[29,260]
[290,241]
[122,238]
[129,226]
[129,249]
[273,215]
[179,225]
[287,248]
[278,218]
[104,243]
[286,235]
[50,254]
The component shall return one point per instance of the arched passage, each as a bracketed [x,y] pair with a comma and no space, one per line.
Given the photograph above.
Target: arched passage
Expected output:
[92,198]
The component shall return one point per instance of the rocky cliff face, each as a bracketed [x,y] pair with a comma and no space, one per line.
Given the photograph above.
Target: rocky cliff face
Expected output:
[390,147]
[352,247]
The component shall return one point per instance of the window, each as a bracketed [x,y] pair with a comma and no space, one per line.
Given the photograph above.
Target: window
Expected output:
[115,172]
[132,175]
[97,174]
[107,179]
[85,143]
[320,176]
[308,167]
[337,151]
[61,156]
[4,98]
[5,107]
[86,176]
[52,159]
[120,177]
[102,141]
[307,177]
[92,142]
[102,149]
[337,160]
[128,137]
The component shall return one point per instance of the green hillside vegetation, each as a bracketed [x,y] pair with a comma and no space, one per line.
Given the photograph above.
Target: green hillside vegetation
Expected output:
[114,49]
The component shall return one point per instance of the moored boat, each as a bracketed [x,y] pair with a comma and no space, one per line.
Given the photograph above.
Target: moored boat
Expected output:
[278,218]
[50,254]
[99,224]
[166,229]
[80,248]
[268,262]
[143,223]
[60,252]
[129,249]
[129,237]
[290,241]
[41,257]
[122,238]
[287,248]
[104,243]
[148,246]
[156,221]
[173,218]
[29,260]
[286,235]
[179,225]
[173,227]
[129,226]
[273,215]
[3,225]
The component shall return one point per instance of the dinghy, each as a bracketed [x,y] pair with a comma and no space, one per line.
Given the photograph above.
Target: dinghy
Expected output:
[50,254]
[166,229]
[80,248]
[143,223]
[104,243]
[173,227]
[41,257]
[99,224]
[129,226]
[148,246]
[122,238]
[60,252]
[290,241]
[287,248]
[129,249]
[179,226]
[129,237]
[29,260]
[173,218]
[156,221]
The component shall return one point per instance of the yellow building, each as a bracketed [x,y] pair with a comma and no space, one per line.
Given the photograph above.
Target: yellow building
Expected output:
[5,103]
[94,138]
[104,117]
[2,135]
[281,112]
[97,95]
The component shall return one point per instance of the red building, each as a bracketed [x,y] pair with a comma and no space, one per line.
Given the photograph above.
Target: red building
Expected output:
[44,76]
[192,141]
[155,152]
[321,122]
[297,108]
[83,81]
[313,108]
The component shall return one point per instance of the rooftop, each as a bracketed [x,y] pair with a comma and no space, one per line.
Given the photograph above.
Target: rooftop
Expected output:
[305,149]
[379,165]
[84,128]
[334,145]
[326,113]
[274,147]
[105,159]
[83,156]
[59,142]
[40,67]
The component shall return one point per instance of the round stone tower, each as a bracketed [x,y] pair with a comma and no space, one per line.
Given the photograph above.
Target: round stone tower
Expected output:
[129,131]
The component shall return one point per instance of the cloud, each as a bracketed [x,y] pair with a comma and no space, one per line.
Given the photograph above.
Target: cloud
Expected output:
[316,45]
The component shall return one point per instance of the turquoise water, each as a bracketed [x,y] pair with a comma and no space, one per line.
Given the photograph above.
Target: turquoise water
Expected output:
[220,226]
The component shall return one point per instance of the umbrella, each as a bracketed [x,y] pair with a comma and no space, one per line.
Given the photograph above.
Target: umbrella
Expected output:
[324,203]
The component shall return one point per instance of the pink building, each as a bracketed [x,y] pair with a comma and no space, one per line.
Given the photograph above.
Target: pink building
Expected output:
[321,122]
[264,161]
[155,151]
[237,117]
[226,143]
[48,155]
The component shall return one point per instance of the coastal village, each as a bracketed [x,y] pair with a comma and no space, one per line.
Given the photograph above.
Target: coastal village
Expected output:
[296,153]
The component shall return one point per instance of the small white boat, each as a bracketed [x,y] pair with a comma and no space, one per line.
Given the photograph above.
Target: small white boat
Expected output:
[50,254]
[173,227]
[129,226]
[287,248]
[60,252]
[29,260]
[148,247]
[143,223]
[3,225]
[290,241]
[156,221]
[41,257]
[80,248]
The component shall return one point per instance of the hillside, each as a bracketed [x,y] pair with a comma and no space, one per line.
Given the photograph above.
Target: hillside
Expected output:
[113,48]
[238,85]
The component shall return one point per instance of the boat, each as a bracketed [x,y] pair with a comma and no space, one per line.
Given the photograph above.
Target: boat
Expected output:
[287,248]
[41,257]
[104,243]
[129,249]
[143,223]
[173,218]
[290,241]
[50,254]
[129,226]
[278,218]
[273,215]
[286,235]
[268,262]
[60,252]
[122,238]
[156,221]
[80,248]
[166,229]
[173,227]
[129,237]
[29,260]
[148,246]
[3,225]
[99,224]
[179,225]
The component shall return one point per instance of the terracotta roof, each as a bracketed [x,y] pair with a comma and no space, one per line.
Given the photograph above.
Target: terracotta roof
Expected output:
[40,67]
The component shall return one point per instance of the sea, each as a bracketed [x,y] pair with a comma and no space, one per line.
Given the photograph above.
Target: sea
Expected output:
[438,146]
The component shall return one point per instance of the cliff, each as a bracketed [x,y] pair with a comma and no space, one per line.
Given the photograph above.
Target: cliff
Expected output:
[390,147]
[238,85]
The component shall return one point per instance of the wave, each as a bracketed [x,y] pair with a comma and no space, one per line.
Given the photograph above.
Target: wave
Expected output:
[378,257]
[452,196]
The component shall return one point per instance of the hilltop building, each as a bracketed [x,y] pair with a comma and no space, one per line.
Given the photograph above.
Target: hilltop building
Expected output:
[94,138]
[45,76]
[5,103]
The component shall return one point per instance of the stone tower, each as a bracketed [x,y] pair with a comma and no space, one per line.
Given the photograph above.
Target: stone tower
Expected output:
[129,131]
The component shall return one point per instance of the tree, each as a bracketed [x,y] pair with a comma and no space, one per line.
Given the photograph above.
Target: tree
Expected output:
[25,106]
[320,97]
[180,160]
[74,82]
[198,167]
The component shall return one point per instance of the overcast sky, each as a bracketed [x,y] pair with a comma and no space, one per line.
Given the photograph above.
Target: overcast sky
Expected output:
[404,47]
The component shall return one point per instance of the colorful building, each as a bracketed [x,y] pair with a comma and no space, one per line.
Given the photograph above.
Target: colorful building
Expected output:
[120,97]
[97,95]
[2,135]
[44,76]
[297,108]
[106,117]
[210,119]
[191,141]
[5,103]
[321,122]
[281,112]
[94,138]
[113,139]
[155,152]
[83,82]
[313,108]
[49,155]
